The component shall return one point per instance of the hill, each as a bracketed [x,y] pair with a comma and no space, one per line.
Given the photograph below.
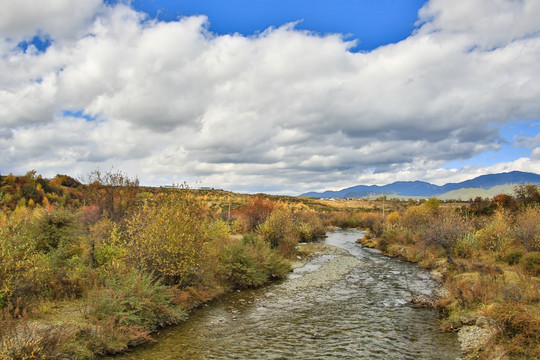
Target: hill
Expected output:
[425,189]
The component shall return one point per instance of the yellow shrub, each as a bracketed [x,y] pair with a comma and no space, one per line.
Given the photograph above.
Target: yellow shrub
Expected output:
[167,237]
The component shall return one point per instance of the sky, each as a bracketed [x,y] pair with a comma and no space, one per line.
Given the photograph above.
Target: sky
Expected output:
[272,96]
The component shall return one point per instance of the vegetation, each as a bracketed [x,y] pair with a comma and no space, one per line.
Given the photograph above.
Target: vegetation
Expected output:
[95,266]
[488,253]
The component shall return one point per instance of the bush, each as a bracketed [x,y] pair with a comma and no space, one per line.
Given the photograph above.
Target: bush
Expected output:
[22,339]
[309,225]
[240,267]
[131,305]
[18,257]
[251,262]
[512,257]
[466,246]
[397,235]
[527,229]
[167,236]
[278,231]
[520,328]
[531,263]
[55,231]
[496,235]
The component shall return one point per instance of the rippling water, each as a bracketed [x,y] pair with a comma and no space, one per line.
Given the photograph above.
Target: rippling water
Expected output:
[364,316]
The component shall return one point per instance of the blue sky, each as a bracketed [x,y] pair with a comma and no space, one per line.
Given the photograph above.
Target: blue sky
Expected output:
[271,95]
[373,23]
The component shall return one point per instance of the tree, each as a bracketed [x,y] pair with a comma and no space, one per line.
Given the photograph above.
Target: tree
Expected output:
[527,194]
[256,211]
[113,192]
[503,201]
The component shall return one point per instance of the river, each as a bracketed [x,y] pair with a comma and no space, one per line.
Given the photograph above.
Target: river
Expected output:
[364,315]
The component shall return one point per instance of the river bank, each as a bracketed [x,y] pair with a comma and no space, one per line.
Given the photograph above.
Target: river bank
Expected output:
[340,302]
[477,334]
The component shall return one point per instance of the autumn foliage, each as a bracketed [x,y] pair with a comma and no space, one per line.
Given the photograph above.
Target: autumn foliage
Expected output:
[133,257]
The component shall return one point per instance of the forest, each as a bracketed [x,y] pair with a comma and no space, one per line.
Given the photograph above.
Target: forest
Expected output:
[96,265]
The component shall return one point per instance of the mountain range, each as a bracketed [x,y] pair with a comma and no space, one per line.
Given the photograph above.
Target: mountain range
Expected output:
[425,189]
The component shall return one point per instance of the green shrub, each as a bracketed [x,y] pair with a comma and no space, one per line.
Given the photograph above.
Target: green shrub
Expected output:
[512,257]
[466,246]
[55,231]
[240,267]
[251,262]
[131,305]
[531,262]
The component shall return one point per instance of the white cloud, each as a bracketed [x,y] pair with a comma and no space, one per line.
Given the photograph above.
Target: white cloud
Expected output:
[284,110]
[59,19]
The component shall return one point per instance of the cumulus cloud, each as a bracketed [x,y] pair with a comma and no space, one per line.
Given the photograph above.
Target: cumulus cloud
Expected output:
[284,110]
[58,19]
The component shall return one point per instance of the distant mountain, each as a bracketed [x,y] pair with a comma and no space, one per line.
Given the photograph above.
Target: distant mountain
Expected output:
[425,189]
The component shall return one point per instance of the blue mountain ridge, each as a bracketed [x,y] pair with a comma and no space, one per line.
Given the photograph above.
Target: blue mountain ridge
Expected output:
[422,188]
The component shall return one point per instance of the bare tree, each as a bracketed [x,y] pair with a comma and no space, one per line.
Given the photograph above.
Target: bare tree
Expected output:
[444,230]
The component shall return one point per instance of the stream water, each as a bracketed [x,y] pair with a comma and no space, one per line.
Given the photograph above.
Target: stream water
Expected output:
[366,315]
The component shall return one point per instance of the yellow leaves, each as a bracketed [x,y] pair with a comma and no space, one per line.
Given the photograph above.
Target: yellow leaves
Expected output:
[168,234]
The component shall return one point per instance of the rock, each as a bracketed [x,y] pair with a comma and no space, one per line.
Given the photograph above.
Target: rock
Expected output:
[422,301]
[474,339]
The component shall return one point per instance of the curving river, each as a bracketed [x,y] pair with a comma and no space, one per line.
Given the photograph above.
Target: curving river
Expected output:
[363,315]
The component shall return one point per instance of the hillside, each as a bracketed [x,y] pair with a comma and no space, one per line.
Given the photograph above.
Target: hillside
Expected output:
[425,189]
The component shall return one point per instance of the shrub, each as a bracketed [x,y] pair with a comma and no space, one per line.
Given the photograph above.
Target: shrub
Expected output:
[309,225]
[251,262]
[527,229]
[278,230]
[167,236]
[397,234]
[496,235]
[520,328]
[55,230]
[132,305]
[240,267]
[474,289]
[512,257]
[466,246]
[394,218]
[416,217]
[531,263]
[23,339]
[444,230]
[256,211]
[18,258]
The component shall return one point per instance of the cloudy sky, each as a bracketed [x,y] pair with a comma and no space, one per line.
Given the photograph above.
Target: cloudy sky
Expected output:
[270,96]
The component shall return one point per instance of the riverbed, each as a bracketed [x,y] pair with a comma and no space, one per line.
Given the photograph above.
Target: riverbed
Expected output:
[350,302]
